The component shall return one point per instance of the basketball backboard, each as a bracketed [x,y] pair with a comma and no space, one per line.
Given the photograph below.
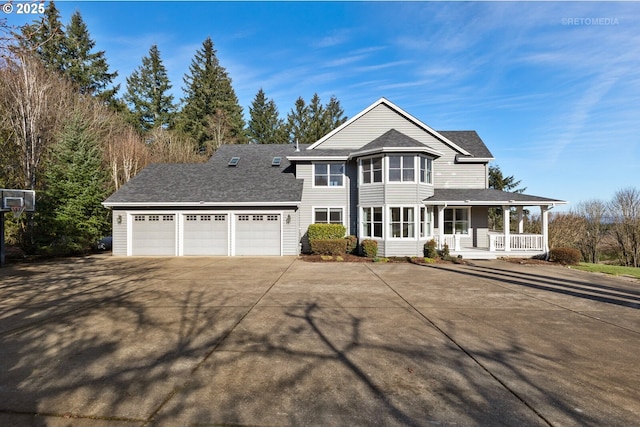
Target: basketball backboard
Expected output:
[11,198]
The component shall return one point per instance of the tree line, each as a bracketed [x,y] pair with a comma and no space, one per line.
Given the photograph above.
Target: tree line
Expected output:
[66,133]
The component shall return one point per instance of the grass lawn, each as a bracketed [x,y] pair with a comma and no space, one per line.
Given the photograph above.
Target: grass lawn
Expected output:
[609,269]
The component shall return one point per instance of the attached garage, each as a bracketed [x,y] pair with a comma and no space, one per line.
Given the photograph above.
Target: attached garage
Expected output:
[153,234]
[206,234]
[257,234]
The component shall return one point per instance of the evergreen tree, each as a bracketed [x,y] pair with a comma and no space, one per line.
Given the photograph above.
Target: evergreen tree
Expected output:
[298,122]
[265,124]
[46,39]
[147,94]
[310,123]
[89,71]
[498,181]
[211,112]
[75,187]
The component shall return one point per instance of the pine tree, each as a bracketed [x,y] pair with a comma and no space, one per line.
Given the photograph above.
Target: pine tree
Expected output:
[298,122]
[316,119]
[89,71]
[147,94]
[211,113]
[333,115]
[265,124]
[46,39]
[76,185]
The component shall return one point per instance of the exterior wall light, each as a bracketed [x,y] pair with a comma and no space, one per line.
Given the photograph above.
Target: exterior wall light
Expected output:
[119,219]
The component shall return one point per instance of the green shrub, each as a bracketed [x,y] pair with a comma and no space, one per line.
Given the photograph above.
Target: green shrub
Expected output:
[565,256]
[352,244]
[430,249]
[369,248]
[445,251]
[326,231]
[380,259]
[429,260]
[329,246]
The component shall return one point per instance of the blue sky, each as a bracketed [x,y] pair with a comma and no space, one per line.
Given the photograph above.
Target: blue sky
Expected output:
[553,88]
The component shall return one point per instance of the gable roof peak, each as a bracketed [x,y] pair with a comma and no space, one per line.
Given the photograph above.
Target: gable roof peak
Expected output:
[399,111]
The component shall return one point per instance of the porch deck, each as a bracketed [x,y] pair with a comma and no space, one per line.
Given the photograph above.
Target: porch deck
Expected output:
[485,253]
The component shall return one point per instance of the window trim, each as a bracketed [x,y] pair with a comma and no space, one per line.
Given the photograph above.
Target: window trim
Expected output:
[454,221]
[402,222]
[369,161]
[402,168]
[428,171]
[329,208]
[373,222]
[426,217]
[328,175]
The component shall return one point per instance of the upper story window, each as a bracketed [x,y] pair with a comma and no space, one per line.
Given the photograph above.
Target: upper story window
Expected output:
[401,169]
[426,170]
[328,174]
[372,170]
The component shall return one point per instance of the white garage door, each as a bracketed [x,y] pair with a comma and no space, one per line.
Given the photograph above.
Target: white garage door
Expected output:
[153,235]
[257,234]
[206,234]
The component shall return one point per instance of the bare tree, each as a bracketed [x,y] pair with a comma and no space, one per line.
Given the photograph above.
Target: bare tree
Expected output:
[172,147]
[624,211]
[565,229]
[593,213]
[33,101]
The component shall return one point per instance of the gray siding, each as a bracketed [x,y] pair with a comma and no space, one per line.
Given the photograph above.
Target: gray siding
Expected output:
[447,173]
[372,194]
[480,224]
[119,233]
[290,237]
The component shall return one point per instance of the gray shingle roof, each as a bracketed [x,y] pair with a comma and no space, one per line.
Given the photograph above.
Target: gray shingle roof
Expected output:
[253,180]
[486,196]
[392,138]
[468,140]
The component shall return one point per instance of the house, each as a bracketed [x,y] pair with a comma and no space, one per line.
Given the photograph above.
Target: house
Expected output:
[384,174]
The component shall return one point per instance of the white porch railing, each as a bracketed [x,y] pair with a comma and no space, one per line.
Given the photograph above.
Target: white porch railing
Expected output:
[517,242]
[448,239]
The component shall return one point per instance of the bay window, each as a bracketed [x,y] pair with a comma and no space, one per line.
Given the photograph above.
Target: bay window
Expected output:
[426,221]
[401,169]
[426,170]
[402,222]
[372,170]
[372,222]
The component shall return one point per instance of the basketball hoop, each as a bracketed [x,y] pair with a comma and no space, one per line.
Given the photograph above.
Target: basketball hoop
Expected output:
[17,211]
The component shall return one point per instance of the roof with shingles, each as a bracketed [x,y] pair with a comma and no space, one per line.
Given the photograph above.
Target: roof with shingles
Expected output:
[468,140]
[488,196]
[253,180]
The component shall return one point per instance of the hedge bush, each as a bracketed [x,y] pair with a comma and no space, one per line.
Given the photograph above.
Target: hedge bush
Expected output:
[565,256]
[352,244]
[369,248]
[326,231]
[430,249]
[329,246]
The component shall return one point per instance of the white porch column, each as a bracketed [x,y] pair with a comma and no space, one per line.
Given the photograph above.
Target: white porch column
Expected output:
[544,214]
[440,227]
[520,211]
[506,221]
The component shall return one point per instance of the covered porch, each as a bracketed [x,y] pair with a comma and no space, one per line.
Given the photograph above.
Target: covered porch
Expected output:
[462,223]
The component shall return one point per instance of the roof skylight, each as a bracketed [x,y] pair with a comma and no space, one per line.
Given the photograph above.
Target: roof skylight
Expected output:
[276,161]
[234,161]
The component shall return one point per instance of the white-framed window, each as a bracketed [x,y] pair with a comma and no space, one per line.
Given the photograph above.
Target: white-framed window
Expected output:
[426,221]
[372,222]
[327,215]
[371,170]
[402,222]
[401,168]
[456,221]
[328,174]
[426,170]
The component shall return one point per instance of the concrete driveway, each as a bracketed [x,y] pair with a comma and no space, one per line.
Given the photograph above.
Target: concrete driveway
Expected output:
[107,341]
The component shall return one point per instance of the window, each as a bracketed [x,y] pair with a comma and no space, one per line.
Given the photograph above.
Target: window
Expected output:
[426,221]
[426,170]
[234,161]
[372,222]
[276,161]
[205,217]
[192,217]
[327,215]
[154,217]
[402,222]
[328,174]
[243,217]
[401,169]
[258,217]
[138,217]
[456,221]
[372,170]
[272,217]
[167,217]
[220,217]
